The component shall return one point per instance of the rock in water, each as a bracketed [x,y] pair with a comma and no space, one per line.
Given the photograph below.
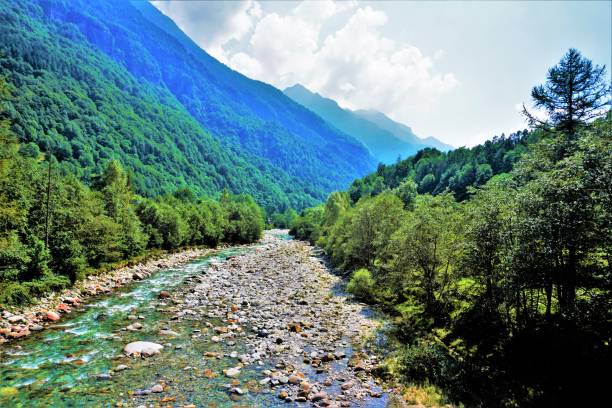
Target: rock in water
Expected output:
[145,348]
[157,388]
[232,372]
[52,316]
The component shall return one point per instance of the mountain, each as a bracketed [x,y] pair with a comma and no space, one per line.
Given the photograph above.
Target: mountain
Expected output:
[95,80]
[401,131]
[385,138]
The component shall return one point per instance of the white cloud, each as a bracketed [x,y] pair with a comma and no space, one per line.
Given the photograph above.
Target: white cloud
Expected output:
[246,65]
[319,11]
[354,63]
[213,24]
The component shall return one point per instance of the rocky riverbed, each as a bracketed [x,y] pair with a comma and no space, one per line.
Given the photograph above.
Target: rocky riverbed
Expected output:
[283,303]
[260,325]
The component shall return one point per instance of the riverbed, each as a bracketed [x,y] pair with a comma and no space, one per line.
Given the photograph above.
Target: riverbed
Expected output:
[259,325]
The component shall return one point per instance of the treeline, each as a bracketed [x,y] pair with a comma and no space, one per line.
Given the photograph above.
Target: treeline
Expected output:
[455,171]
[500,295]
[54,230]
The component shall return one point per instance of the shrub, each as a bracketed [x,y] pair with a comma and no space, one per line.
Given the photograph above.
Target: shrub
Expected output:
[14,293]
[362,285]
[427,362]
[48,283]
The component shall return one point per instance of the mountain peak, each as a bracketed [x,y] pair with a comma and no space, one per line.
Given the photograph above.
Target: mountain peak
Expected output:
[385,138]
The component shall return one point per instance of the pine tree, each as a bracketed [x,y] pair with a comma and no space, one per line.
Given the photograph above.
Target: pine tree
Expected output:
[575,92]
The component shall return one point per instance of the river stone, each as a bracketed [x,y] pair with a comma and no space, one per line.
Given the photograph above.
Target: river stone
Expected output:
[318,396]
[52,316]
[239,391]
[167,332]
[16,319]
[232,372]
[347,385]
[145,348]
[134,326]
[157,388]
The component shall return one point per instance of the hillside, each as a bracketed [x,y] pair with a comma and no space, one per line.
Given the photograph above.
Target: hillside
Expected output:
[384,138]
[98,80]
[456,171]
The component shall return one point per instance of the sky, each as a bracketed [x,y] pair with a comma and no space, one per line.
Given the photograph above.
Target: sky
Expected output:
[455,70]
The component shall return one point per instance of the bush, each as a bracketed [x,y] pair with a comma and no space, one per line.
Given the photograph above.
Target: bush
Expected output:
[427,362]
[362,285]
[48,283]
[14,293]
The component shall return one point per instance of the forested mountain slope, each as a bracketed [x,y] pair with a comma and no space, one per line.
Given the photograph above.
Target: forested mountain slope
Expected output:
[494,261]
[98,80]
[385,138]
[436,172]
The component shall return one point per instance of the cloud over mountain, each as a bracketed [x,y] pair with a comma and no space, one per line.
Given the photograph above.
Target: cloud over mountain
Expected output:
[335,48]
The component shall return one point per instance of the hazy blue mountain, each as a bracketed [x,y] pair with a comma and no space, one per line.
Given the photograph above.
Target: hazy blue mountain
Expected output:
[400,130]
[384,138]
[118,79]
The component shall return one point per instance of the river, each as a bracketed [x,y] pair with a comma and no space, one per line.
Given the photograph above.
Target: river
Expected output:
[72,363]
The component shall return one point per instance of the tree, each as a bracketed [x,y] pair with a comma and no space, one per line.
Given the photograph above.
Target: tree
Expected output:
[361,236]
[426,250]
[116,189]
[575,92]
[563,215]
[407,192]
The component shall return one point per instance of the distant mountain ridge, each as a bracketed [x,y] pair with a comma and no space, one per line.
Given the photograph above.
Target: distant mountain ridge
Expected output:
[384,138]
[402,131]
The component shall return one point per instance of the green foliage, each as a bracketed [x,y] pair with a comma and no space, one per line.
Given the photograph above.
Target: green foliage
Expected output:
[361,236]
[407,192]
[425,251]
[308,225]
[481,285]
[362,285]
[456,171]
[284,219]
[245,220]
[427,361]
[54,229]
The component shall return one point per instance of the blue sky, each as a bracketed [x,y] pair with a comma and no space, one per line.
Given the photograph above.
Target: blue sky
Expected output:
[454,70]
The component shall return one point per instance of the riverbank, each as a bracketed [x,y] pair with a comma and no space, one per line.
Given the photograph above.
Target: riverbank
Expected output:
[21,322]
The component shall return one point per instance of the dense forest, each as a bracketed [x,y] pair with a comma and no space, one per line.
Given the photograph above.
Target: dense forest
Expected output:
[456,171]
[56,230]
[118,80]
[495,261]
